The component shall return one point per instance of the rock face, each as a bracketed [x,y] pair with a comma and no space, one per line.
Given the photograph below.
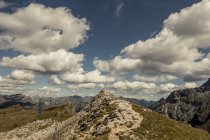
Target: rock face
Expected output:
[105,116]
[188,105]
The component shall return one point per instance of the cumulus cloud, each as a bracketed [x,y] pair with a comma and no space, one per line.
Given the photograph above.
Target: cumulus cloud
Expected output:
[167,88]
[58,61]
[174,50]
[9,81]
[154,79]
[15,82]
[36,29]
[22,75]
[88,77]
[82,86]
[118,64]
[11,90]
[55,80]
[48,90]
[135,85]
[190,85]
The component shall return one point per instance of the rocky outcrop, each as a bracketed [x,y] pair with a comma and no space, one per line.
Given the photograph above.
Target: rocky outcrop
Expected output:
[105,116]
[188,105]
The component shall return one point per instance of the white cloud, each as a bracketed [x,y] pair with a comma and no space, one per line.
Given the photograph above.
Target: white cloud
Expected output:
[135,85]
[119,8]
[167,88]
[48,90]
[155,79]
[9,81]
[55,80]
[15,82]
[192,22]
[190,85]
[82,86]
[36,29]
[22,75]
[89,77]
[11,89]
[58,61]
[174,50]
[118,64]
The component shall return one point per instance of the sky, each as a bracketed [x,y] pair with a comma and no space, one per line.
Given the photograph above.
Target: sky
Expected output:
[141,49]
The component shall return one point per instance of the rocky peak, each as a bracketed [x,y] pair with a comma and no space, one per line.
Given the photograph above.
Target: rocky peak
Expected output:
[105,115]
[206,84]
[104,95]
[191,105]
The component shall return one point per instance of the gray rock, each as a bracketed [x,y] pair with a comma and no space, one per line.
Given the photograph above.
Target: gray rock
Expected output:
[188,105]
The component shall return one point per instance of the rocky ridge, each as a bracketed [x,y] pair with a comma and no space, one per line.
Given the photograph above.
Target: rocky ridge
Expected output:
[105,116]
[188,105]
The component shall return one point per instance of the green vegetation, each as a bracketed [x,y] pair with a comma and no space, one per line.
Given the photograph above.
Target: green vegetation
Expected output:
[156,126]
[56,113]
[17,116]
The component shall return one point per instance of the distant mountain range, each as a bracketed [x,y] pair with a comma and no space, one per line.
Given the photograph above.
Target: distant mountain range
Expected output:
[10,100]
[141,102]
[190,105]
[42,103]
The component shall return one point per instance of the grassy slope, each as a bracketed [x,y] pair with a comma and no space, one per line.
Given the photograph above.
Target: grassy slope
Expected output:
[17,116]
[155,126]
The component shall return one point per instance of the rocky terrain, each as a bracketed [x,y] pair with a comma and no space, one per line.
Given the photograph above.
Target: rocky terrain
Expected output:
[188,105]
[107,117]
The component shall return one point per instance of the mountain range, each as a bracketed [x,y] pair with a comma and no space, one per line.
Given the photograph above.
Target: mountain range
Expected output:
[107,117]
[39,104]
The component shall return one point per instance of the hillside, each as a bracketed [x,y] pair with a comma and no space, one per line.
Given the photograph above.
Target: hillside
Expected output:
[188,105]
[17,116]
[108,117]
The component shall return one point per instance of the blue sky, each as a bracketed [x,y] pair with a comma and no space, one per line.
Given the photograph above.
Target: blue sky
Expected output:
[110,27]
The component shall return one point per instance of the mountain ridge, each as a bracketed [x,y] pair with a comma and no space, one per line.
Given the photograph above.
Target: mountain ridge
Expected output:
[108,117]
[191,105]
[40,104]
